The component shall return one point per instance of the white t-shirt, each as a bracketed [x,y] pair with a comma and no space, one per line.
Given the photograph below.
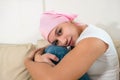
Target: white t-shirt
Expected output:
[107,66]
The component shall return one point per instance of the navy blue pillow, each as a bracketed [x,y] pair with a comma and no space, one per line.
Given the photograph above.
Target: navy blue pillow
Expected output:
[60,52]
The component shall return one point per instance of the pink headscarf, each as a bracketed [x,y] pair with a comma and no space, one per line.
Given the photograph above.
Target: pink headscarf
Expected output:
[51,19]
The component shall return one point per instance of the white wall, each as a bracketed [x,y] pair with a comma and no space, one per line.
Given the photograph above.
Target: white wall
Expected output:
[19,20]
[104,13]
[90,11]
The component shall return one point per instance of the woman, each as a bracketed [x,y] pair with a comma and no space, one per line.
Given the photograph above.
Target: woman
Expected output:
[93,51]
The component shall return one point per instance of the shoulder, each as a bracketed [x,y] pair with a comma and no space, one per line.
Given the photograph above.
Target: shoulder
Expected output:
[94,36]
[92,45]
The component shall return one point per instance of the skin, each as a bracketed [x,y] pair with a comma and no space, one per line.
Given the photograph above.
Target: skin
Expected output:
[84,54]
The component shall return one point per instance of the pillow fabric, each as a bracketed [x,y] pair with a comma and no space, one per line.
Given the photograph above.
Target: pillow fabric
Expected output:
[12,61]
[117,45]
[42,43]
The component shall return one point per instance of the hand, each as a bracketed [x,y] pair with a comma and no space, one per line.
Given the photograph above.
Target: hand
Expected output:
[45,58]
[32,54]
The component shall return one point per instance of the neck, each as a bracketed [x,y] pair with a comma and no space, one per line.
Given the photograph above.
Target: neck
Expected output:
[81,27]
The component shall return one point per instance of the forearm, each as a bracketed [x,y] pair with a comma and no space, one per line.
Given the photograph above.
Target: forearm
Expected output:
[39,71]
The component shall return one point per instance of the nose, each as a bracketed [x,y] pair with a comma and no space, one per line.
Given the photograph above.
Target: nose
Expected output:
[62,41]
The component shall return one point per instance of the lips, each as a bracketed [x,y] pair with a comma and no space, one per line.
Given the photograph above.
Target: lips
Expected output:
[69,42]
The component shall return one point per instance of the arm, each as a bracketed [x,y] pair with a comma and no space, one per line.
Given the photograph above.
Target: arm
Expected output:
[71,66]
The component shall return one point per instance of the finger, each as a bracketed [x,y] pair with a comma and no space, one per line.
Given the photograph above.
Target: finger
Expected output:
[51,63]
[40,50]
[41,58]
[48,61]
[38,58]
[31,55]
[52,57]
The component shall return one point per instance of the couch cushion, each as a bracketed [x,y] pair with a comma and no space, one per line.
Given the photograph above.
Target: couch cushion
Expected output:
[12,61]
[42,43]
[117,45]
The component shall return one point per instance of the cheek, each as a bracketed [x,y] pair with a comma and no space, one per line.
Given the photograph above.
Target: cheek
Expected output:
[68,34]
[75,36]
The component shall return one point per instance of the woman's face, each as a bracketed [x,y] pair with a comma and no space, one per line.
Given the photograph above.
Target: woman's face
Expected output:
[65,34]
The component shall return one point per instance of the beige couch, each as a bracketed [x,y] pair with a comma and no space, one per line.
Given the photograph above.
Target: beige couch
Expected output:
[12,57]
